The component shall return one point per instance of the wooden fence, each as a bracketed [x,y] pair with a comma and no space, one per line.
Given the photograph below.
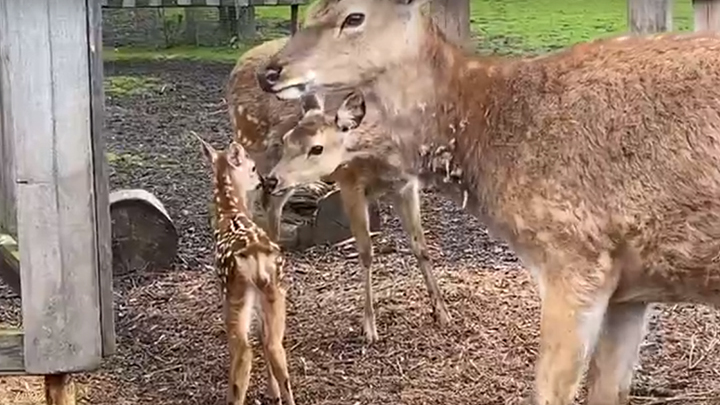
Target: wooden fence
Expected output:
[240,13]
[54,212]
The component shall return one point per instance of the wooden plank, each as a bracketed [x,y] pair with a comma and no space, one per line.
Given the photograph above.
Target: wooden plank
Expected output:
[707,15]
[50,102]
[8,213]
[649,16]
[11,352]
[10,262]
[103,223]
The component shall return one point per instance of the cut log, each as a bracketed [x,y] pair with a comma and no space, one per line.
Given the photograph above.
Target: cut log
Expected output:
[143,234]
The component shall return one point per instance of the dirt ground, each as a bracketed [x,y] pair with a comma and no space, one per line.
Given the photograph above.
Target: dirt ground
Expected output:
[170,337]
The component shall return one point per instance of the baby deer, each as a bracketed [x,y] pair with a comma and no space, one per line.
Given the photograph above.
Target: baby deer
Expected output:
[249,265]
[319,148]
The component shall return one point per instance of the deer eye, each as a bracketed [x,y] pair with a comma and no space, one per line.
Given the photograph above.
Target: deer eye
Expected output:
[353,20]
[315,150]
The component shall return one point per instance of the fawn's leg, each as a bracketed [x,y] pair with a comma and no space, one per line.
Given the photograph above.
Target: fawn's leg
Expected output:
[355,205]
[573,310]
[611,367]
[273,390]
[238,315]
[407,202]
[274,213]
[273,310]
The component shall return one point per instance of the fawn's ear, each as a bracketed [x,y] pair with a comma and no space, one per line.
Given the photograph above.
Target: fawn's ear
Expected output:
[312,102]
[208,151]
[236,154]
[351,113]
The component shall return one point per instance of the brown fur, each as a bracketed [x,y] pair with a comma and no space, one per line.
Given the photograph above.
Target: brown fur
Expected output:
[363,171]
[259,121]
[599,164]
[249,265]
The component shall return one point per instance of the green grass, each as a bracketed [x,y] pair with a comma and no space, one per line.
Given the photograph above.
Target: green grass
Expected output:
[501,26]
[208,54]
[520,26]
[119,86]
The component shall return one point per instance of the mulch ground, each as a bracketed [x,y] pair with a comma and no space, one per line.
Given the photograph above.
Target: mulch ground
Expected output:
[170,337]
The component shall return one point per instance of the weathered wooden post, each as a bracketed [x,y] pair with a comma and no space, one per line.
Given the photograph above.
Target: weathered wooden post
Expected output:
[707,15]
[55,224]
[649,16]
[453,17]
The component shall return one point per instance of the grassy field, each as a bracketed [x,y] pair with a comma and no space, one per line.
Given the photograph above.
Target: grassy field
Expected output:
[501,26]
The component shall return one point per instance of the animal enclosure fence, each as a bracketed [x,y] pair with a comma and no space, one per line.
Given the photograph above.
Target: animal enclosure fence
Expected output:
[129,22]
[55,248]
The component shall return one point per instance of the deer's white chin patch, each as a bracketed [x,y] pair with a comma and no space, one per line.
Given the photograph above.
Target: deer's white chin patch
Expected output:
[291,93]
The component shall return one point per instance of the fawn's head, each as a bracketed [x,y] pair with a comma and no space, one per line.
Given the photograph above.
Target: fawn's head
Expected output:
[318,144]
[344,44]
[234,174]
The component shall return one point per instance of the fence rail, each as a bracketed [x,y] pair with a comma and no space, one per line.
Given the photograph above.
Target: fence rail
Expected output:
[198,3]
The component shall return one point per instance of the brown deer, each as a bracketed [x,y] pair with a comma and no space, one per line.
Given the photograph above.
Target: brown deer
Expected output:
[259,121]
[313,151]
[599,164]
[249,265]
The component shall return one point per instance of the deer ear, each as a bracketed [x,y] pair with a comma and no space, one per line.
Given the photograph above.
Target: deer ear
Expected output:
[236,154]
[208,151]
[312,101]
[351,113]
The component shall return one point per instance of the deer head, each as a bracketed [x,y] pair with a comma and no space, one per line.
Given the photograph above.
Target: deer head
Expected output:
[319,144]
[345,44]
[233,171]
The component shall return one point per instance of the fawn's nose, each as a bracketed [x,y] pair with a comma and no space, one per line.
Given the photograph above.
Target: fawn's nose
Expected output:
[271,182]
[269,76]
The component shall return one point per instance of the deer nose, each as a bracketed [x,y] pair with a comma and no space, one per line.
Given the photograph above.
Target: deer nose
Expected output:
[271,182]
[269,76]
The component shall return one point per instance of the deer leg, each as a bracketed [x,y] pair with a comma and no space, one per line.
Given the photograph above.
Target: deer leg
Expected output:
[238,315]
[611,366]
[274,213]
[407,203]
[572,316]
[273,309]
[273,389]
[355,205]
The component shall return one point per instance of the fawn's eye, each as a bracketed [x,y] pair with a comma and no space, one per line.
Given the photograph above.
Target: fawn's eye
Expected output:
[315,150]
[353,20]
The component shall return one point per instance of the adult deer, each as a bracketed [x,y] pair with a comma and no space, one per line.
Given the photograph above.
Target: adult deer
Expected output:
[259,121]
[313,151]
[599,164]
[249,265]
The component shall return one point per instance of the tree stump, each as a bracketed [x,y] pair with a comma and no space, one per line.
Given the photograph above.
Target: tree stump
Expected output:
[330,225]
[143,235]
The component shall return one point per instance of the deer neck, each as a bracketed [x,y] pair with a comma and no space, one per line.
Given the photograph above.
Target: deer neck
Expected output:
[229,202]
[435,104]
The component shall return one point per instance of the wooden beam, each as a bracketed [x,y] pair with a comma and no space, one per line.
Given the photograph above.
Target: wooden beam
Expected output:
[294,24]
[12,361]
[59,389]
[46,54]
[101,178]
[707,15]
[649,16]
[10,262]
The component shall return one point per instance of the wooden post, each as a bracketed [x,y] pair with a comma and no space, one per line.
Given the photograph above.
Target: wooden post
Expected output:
[707,15]
[294,23]
[51,106]
[246,26]
[649,16]
[453,18]
[59,389]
